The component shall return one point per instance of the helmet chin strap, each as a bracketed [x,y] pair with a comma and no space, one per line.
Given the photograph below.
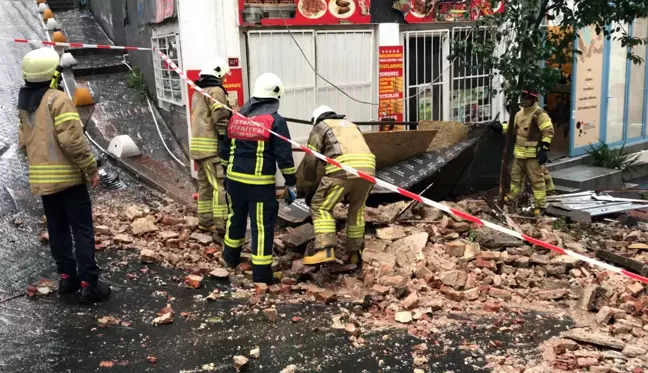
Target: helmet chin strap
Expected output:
[56,78]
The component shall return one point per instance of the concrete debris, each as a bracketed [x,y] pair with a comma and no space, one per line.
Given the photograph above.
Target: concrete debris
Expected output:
[587,336]
[415,274]
[289,369]
[403,317]
[240,363]
[255,353]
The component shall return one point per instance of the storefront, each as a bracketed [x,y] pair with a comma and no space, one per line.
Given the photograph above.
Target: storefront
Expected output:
[609,93]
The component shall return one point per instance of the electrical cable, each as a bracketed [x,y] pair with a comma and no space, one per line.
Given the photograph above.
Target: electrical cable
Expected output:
[419,92]
[157,126]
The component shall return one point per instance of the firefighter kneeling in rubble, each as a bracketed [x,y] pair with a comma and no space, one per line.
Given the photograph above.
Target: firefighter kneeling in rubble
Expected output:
[534,132]
[60,163]
[337,138]
[253,155]
[209,120]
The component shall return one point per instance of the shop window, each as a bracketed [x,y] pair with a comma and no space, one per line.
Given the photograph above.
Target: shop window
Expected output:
[425,70]
[616,90]
[637,83]
[168,85]
[471,88]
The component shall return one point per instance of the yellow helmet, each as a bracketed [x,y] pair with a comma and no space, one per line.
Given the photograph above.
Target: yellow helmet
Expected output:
[39,65]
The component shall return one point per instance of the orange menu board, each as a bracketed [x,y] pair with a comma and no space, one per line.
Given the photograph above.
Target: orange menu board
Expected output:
[390,83]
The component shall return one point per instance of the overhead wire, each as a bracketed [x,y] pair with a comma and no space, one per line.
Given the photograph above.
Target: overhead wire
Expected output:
[420,91]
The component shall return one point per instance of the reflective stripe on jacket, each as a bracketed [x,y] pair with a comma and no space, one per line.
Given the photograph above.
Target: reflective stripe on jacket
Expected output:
[252,154]
[341,140]
[58,152]
[208,123]
[532,126]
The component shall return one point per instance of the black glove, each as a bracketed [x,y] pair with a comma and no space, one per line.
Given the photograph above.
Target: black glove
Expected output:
[496,126]
[542,153]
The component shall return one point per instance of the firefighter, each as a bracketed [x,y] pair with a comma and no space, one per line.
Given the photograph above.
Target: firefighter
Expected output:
[60,162]
[208,123]
[337,138]
[253,155]
[534,132]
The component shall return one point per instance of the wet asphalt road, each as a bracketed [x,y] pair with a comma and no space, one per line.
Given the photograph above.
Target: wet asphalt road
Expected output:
[55,334]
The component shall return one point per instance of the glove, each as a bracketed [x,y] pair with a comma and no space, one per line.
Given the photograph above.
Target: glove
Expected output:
[542,153]
[292,194]
[496,126]
[308,197]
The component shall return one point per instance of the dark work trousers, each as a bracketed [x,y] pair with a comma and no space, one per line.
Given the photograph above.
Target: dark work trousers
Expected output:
[69,214]
[260,204]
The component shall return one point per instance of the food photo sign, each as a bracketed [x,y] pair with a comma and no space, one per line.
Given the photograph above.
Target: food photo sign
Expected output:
[426,11]
[303,12]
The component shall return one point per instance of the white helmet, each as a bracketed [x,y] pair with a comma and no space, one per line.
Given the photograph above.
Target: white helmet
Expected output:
[268,85]
[218,69]
[319,112]
[53,25]
[39,65]
[42,7]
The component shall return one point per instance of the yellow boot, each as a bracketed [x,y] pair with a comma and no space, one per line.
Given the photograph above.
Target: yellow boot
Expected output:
[322,256]
[204,228]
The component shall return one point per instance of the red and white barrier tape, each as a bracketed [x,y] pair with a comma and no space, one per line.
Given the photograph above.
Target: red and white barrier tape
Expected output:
[77,45]
[463,215]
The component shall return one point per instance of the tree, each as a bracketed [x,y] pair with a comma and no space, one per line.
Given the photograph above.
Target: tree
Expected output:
[520,52]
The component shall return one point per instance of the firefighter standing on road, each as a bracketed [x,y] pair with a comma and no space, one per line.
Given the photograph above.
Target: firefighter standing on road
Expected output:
[60,162]
[534,132]
[253,155]
[209,121]
[337,138]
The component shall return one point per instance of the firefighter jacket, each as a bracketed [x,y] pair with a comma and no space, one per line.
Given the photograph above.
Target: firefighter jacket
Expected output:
[532,127]
[58,153]
[250,153]
[208,122]
[341,140]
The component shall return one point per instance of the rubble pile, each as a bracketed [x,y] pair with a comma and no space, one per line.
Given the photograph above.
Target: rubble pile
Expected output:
[417,270]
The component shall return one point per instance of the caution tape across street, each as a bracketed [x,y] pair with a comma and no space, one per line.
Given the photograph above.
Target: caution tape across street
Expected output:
[76,45]
[458,213]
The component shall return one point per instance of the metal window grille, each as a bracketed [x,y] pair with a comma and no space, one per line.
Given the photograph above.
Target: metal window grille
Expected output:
[169,86]
[342,57]
[427,75]
[471,98]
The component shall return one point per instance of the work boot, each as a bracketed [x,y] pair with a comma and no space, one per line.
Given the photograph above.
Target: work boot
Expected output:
[356,258]
[92,294]
[232,256]
[326,255]
[208,229]
[69,284]
[263,274]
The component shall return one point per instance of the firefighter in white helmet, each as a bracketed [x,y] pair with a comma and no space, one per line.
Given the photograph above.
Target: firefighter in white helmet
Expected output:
[60,162]
[208,123]
[336,138]
[254,157]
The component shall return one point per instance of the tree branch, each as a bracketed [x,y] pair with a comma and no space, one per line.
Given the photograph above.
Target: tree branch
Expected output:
[543,12]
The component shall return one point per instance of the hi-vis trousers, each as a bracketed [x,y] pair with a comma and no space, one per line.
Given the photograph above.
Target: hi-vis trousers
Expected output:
[212,203]
[329,193]
[530,168]
[260,204]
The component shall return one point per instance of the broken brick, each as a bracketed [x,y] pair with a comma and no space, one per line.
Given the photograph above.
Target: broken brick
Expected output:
[411,301]
[607,314]
[240,363]
[382,290]
[326,296]
[455,248]
[500,293]
[481,263]
[455,279]
[193,281]
[552,294]
[270,314]
[403,317]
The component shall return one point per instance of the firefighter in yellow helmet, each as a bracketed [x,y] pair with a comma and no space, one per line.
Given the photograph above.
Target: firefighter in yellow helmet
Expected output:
[337,138]
[533,134]
[60,162]
[209,121]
